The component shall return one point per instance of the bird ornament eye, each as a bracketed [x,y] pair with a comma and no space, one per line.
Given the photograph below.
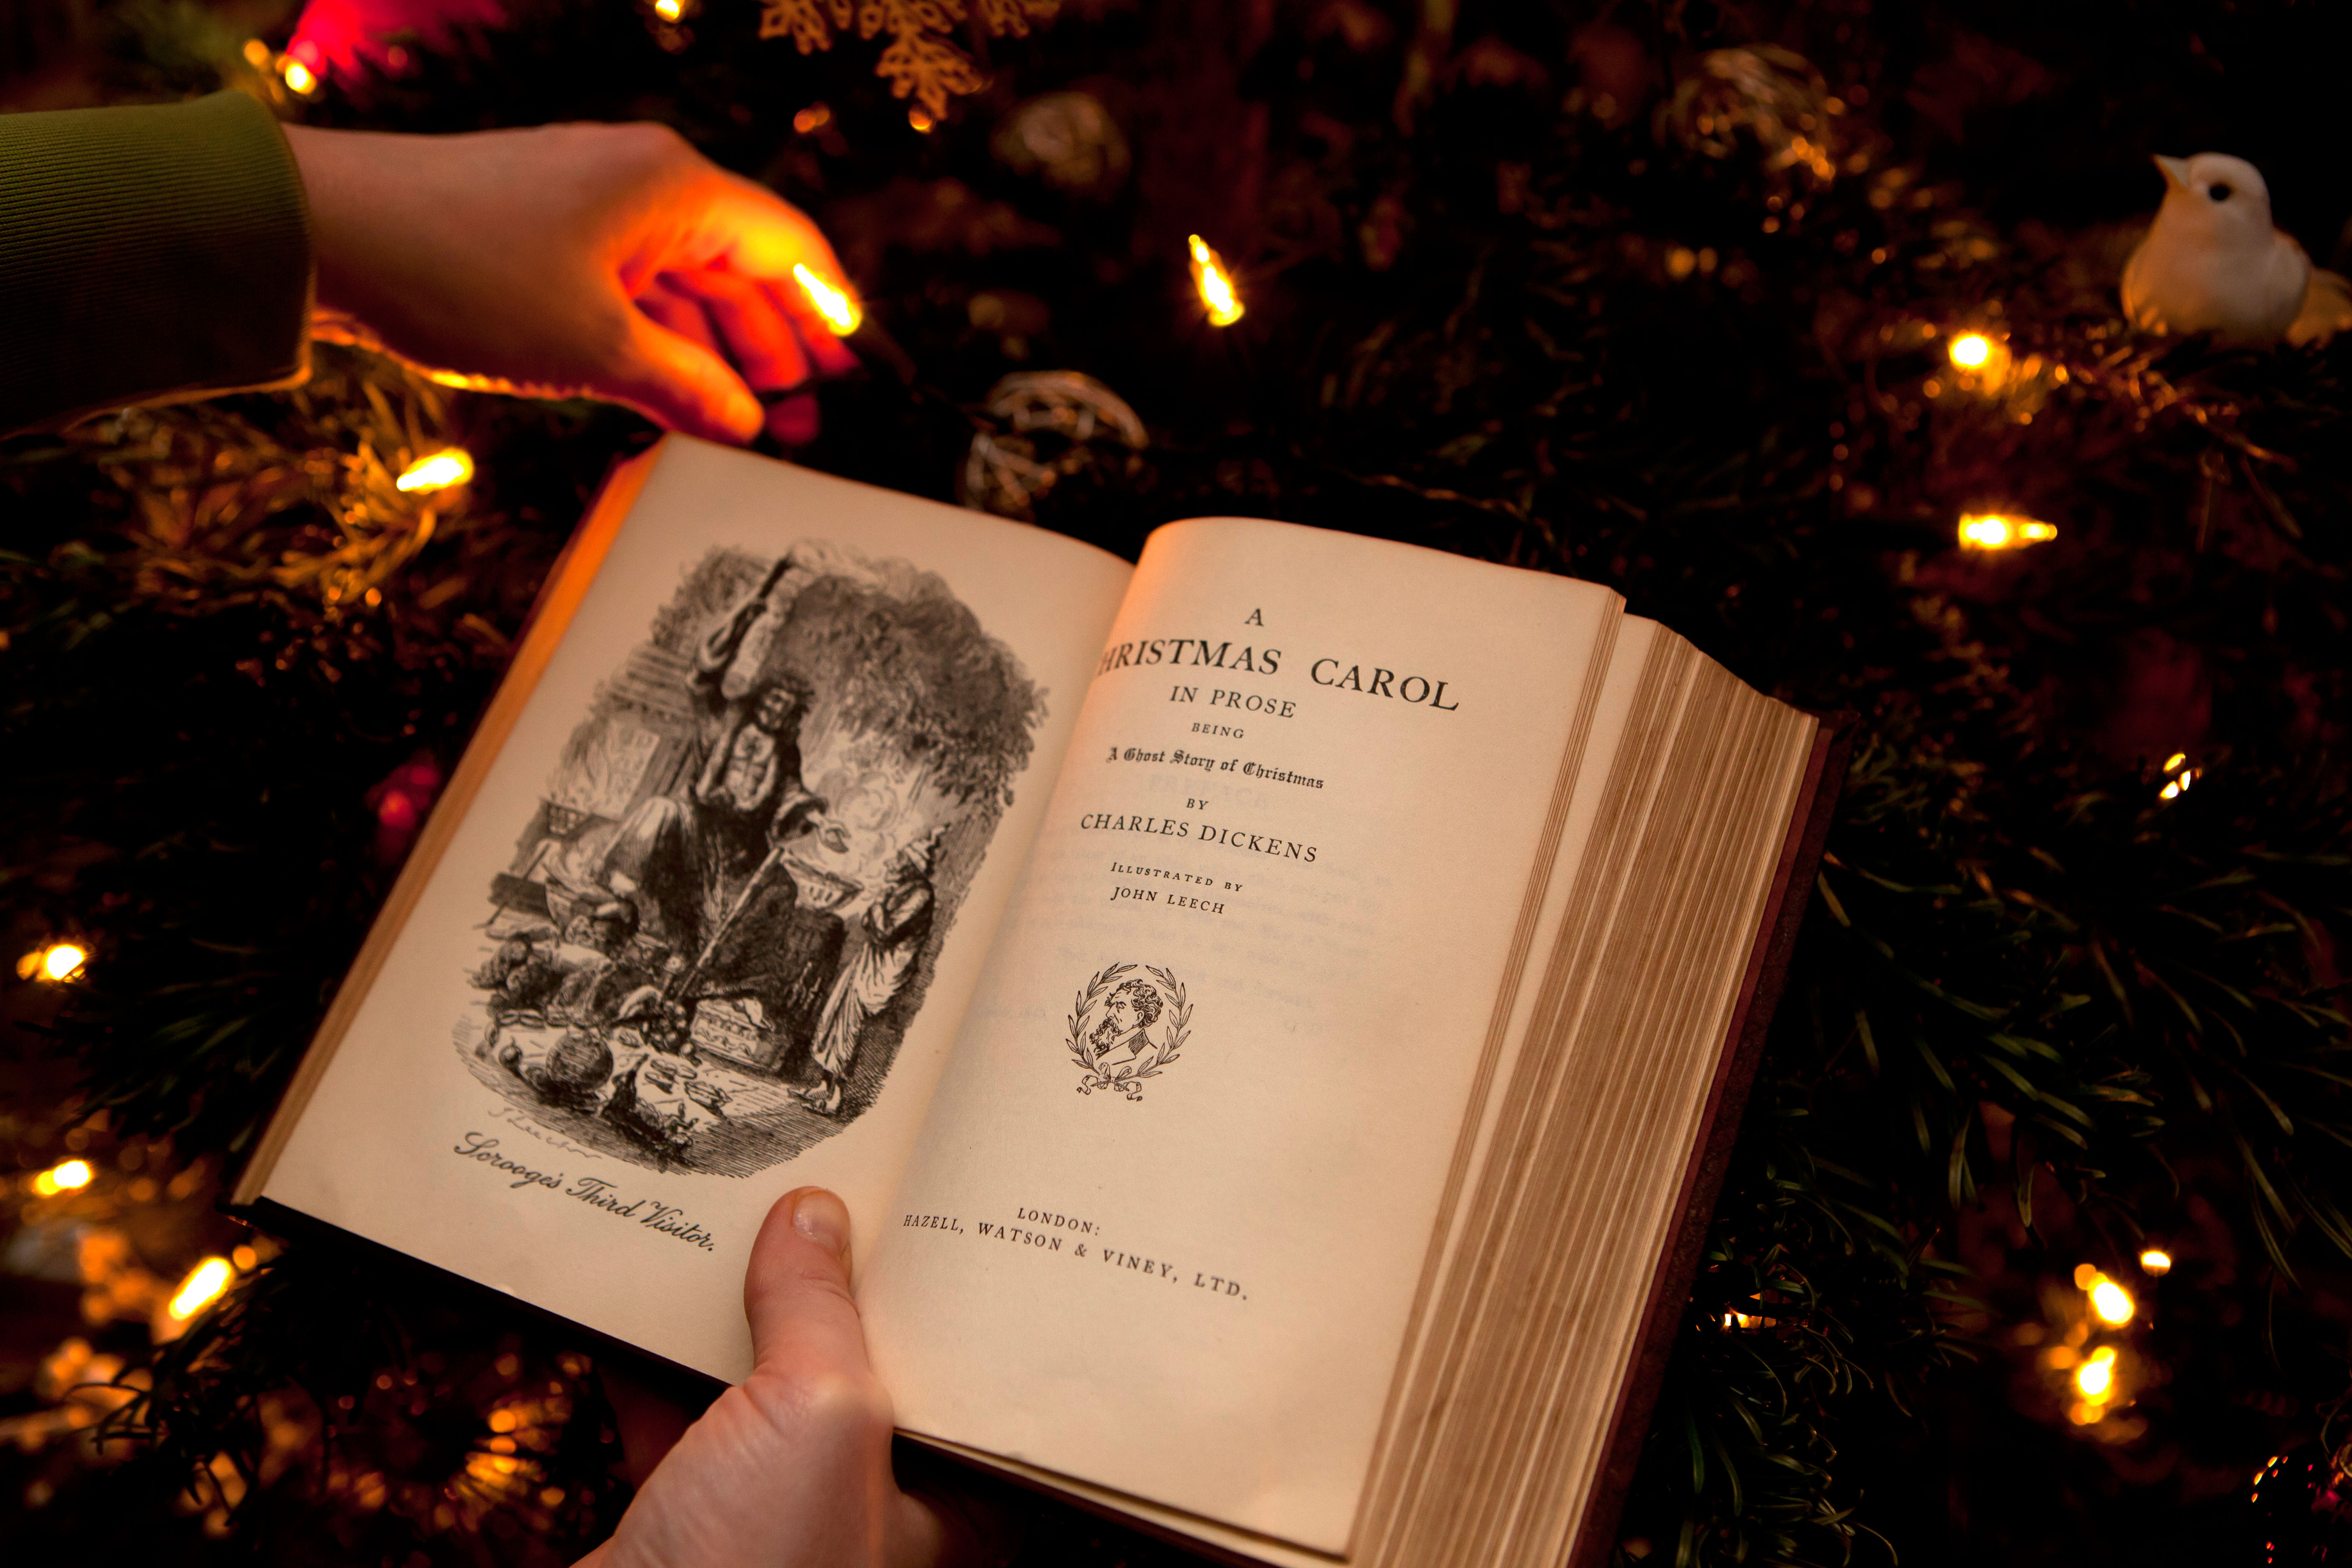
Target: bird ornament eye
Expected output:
[2219,190]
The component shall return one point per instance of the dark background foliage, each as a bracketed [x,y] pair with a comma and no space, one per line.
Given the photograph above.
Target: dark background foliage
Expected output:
[1537,283]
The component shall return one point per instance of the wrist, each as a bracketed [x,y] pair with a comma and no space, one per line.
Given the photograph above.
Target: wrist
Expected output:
[323,160]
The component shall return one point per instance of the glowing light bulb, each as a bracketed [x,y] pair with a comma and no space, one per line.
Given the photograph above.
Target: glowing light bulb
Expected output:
[921,121]
[299,78]
[1969,351]
[2096,1375]
[816,117]
[1215,284]
[69,1177]
[203,1286]
[2156,1260]
[669,10]
[437,471]
[1994,530]
[2178,786]
[840,311]
[2112,1302]
[61,962]
[2174,761]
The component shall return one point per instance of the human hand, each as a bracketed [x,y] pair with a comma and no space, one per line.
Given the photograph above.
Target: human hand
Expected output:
[608,261]
[792,1466]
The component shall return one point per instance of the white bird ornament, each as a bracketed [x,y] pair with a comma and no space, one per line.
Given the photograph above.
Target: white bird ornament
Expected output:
[2212,262]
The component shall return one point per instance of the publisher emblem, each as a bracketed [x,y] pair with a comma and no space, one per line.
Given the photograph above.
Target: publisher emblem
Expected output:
[1129,1022]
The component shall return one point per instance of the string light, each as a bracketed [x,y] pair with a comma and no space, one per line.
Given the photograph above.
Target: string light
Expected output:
[437,471]
[669,10]
[921,121]
[299,77]
[2096,1376]
[2183,776]
[1982,361]
[816,117]
[59,962]
[1997,530]
[840,311]
[2272,1466]
[2155,1261]
[69,1177]
[2112,1302]
[203,1286]
[1215,284]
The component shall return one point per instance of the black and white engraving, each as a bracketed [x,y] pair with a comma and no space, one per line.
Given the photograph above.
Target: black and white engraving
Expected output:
[1128,1024]
[724,914]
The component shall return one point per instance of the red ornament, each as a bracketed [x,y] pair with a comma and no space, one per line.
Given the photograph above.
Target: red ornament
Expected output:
[400,803]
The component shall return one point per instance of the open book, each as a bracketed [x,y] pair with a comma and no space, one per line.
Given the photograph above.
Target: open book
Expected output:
[1273,1011]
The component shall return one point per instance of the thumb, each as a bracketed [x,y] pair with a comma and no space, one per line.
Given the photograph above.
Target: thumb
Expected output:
[681,385]
[805,1329]
[796,1292]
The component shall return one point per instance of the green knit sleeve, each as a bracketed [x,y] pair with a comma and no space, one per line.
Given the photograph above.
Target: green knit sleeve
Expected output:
[147,253]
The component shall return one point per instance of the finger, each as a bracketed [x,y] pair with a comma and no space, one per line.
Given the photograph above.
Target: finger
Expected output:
[825,347]
[832,356]
[680,313]
[792,421]
[755,232]
[796,1292]
[679,384]
[758,336]
[759,234]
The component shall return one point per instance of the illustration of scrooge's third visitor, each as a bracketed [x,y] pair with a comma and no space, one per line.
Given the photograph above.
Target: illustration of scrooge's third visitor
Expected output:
[722,917]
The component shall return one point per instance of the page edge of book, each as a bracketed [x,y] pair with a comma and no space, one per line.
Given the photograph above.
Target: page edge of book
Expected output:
[581,556]
[1703,1177]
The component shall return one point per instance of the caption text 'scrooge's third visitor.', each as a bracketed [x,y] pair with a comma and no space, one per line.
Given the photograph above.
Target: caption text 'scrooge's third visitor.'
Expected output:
[664,1220]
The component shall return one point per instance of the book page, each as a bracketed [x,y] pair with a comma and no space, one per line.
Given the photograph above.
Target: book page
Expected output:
[1492,1453]
[1164,1227]
[713,906]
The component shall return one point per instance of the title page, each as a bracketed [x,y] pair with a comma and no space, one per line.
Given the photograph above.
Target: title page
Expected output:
[1165,1223]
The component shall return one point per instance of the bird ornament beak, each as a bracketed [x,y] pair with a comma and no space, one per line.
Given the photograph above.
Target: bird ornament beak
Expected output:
[2174,170]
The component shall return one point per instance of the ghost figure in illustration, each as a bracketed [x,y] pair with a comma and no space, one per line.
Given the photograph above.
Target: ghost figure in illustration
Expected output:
[683,857]
[894,928]
[2212,262]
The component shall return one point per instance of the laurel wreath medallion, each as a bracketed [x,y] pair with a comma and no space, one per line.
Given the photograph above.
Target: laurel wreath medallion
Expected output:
[1128,1078]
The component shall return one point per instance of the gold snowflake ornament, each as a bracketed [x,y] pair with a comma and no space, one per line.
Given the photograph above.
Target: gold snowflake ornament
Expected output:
[921,60]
